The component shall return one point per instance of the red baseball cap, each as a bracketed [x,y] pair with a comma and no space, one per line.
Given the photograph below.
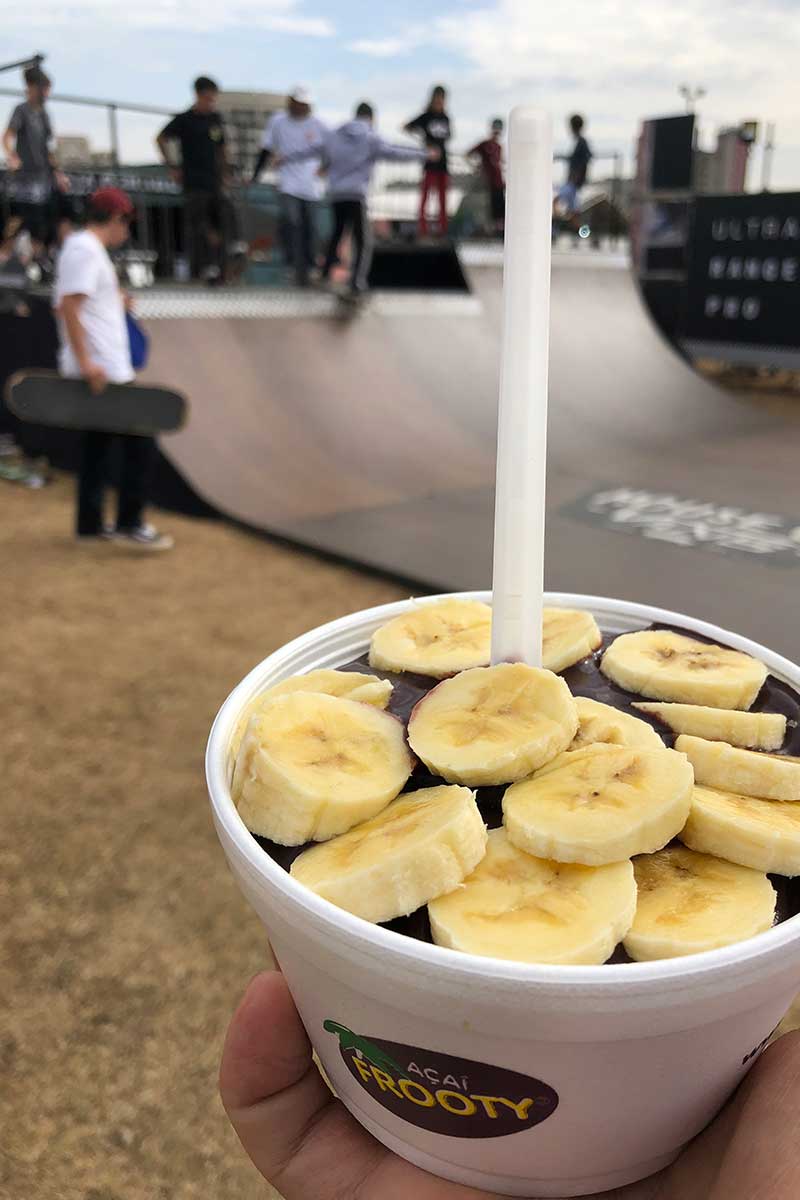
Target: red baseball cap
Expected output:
[112,201]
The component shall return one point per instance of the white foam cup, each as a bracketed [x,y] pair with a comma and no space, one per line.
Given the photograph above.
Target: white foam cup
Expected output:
[545,1081]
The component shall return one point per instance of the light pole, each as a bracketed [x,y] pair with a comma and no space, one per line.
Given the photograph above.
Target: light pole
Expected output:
[691,95]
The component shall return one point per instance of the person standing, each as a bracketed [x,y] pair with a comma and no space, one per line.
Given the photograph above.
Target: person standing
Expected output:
[436,128]
[490,153]
[577,169]
[291,139]
[204,175]
[28,145]
[349,155]
[94,345]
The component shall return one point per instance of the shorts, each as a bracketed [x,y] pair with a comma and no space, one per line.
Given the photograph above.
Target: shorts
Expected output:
[497,203]
[568,196]
[41,218]
[37,219]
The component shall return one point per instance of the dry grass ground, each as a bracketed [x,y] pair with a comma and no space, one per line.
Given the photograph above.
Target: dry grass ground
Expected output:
[125,943]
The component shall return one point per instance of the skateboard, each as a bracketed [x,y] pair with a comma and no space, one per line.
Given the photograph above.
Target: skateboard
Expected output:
[349,305]
[45,398]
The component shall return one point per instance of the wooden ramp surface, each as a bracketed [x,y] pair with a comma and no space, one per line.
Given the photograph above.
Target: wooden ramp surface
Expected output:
[375,439]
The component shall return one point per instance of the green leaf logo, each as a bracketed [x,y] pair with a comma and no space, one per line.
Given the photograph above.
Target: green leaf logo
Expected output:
[351,1041]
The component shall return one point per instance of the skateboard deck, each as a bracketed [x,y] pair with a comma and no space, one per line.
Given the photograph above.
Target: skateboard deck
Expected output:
[45,398]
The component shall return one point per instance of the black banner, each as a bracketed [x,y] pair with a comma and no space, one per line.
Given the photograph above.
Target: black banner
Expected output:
[744,271]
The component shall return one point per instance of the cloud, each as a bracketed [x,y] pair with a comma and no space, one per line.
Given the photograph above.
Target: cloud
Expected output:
[616,61]
[388,47]
[201,16]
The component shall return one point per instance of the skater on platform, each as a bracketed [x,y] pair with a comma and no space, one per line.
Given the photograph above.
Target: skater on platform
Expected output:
[36,183]
[348,156]
[435,127]
[567,201]
[287,136]
[204,173]
[490,153]
[94,345]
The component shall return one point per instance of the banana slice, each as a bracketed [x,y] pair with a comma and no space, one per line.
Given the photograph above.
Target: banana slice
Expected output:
[528,909]
[600,804]
[762,834]
[493,724]
[669,666]
[568,635]
[691,902]
[423,844]
[753,730]
[311,766]
[367,689]
[602,723]
[718,765]
[439,639]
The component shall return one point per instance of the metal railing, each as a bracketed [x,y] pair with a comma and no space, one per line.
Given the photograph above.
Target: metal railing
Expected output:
[165,236]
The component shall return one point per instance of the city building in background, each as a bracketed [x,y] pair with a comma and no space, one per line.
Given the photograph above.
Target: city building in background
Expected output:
[723,171]
[73,150]
[245,115]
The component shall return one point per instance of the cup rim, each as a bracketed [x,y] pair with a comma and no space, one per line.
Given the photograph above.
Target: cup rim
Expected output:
[347,635]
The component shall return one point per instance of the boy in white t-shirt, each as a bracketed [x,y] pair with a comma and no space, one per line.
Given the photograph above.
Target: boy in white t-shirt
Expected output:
[94,345]
[290,138]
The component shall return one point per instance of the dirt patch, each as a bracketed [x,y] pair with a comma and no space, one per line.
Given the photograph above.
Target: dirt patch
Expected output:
[125,941]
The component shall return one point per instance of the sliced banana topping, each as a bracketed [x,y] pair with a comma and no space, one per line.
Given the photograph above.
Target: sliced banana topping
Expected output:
[602,723]
[438,638]
[493,725]
[600,804]
[515,906]
[762,834]
[752,730]
[353,685]
[670,666]
[443,637]
[690,902]
[425,843]
[311,766]
[718,765]
[568,635]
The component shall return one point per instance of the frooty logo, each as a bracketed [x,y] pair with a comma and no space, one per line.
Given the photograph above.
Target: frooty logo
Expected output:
[442,1093]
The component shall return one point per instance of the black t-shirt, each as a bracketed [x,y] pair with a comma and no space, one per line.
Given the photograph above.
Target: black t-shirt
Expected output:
[201,137]
[579,162]
[436,128]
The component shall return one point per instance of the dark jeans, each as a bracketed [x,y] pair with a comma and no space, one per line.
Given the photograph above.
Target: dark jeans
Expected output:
[351,215]
[297,226]
[210,225]
[138,459]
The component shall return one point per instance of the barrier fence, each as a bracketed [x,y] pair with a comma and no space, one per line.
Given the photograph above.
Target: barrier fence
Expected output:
[163,235]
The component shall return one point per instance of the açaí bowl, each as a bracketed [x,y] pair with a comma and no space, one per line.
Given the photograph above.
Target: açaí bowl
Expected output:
[524,1080]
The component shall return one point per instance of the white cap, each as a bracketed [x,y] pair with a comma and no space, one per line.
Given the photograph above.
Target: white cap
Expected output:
[301,94]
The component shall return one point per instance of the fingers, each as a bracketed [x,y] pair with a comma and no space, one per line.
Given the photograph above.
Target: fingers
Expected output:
[301,1139]
[297,1135]
[762,1159]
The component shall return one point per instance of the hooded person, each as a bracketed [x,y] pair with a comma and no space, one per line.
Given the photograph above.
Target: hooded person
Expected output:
[348,156]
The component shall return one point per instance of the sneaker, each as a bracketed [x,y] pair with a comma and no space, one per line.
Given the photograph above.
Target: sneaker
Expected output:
[106,534]
[145,537]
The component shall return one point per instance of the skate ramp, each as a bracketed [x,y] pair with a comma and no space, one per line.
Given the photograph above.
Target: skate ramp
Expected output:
[373,438]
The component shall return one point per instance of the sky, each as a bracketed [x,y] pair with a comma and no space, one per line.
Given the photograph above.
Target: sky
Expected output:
[613,60]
